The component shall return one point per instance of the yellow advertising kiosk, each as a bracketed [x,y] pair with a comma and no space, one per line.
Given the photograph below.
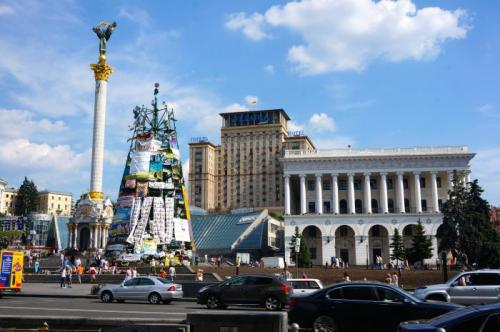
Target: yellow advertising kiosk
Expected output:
[11,270]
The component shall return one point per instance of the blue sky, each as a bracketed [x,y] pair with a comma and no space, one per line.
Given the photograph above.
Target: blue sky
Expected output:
[360,72]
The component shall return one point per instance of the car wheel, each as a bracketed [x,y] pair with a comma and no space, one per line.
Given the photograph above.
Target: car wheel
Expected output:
[324,324]
[213,302]
[106,297]
[272,303]
[167,301]
[154,298]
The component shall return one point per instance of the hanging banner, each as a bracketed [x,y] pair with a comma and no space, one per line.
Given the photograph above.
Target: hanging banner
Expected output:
[169,219]
[140,162]
[181,230]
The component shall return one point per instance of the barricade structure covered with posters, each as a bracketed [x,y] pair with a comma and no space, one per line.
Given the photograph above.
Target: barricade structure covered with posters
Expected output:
[152,213]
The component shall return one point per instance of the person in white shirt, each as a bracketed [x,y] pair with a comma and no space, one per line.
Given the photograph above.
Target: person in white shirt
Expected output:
[63,277]
[171,272]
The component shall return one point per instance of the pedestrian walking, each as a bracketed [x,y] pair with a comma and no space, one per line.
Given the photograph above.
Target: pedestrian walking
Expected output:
[79,272]
[37,265]
[163,273]
[171,272]
[134,272]
[63,277]
[395,279]
[69,276]
[92,272]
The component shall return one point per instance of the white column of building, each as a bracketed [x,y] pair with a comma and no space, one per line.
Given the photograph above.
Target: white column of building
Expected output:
[450,180]
[418,194]
[75,237]
[96,236]
[319,195]
[467,176]
[367,194]
[91,244]
[287,194]
[303,194]
[383,192]
[350,194]
[434,192]
[104,236]
[400,193]
[335,193]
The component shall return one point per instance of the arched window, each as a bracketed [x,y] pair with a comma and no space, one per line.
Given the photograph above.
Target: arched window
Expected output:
[390,205]
[374,206]
[358,205]
[343,206]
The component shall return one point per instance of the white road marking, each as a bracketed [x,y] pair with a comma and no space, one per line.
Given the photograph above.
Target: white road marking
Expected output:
[103,311]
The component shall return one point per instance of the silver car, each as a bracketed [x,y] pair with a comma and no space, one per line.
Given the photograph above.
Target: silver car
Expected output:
[152,289]
[472,287]
[303,287]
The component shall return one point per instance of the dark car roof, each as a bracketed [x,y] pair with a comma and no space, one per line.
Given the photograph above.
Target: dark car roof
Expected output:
[471,311]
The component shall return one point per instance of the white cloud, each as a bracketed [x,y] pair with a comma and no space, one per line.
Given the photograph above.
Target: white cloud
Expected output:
[270,69]
[251,100]
[294,126]
[321,122]
[251,25]
[348,34]
[485,167]
[22,124]
[6,10]
[489,111]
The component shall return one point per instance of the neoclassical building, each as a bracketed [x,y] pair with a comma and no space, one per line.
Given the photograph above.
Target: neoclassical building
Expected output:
[347,203]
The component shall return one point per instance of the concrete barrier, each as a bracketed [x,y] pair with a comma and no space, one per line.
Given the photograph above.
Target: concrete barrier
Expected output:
[230,321]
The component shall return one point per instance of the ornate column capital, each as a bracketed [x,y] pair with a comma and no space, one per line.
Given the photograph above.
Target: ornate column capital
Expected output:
[350,174]
[287,176]
[400,173]
[101,71]
[334,174]
[433,172]
[302,176]
[318,175]
[416,173]
[383,173]
[367,173]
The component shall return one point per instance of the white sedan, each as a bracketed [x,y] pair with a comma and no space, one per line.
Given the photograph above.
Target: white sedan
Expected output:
[152,289]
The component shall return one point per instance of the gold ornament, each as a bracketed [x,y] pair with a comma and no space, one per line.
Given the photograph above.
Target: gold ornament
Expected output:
[95,195]
[101,70]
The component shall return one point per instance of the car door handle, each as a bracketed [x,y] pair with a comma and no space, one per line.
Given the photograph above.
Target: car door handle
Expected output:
[474,289]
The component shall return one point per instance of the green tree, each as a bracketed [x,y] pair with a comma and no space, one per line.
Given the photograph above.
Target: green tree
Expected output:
[466,229]
[398,248]
[27,198]
[422,245]
[304,256]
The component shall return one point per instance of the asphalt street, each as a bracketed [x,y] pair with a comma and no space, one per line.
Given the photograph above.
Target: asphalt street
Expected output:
[12,306]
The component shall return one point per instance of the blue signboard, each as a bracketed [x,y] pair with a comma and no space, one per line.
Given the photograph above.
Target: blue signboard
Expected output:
[6,269]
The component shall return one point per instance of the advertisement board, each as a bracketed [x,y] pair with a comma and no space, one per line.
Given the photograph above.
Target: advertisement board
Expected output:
[11,269]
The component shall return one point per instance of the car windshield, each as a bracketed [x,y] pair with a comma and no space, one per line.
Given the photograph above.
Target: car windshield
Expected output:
[411,297]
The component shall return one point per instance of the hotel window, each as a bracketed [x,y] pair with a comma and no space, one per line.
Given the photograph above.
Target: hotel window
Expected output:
[424,205]
[373,184]
[438,182]
[422,182]
[357,185]
[311,207]
[327,185]
[326,207]
[310,185]
[389,184]
[342,185]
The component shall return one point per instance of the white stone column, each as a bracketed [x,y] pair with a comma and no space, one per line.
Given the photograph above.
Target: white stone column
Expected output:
[367,194]
[383,193]
[319,194]
[350,194]
[303,207]
[450,180]
[104,236]
[96,236]
[418,194]
[335,193]
[75,237]
[91,244]
[287,194]
[434,192]
[400,193]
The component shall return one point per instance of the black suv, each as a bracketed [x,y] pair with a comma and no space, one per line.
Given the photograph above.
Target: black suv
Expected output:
[268,291]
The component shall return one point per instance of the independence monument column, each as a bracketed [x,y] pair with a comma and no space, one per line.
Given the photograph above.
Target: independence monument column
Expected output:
[93,214]
[101,71]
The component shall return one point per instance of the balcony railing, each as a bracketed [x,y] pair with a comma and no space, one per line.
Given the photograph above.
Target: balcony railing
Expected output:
[432,150]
